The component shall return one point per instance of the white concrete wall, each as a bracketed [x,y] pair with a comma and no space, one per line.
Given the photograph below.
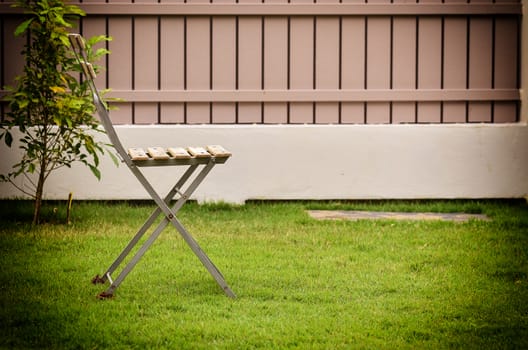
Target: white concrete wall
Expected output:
[320,162]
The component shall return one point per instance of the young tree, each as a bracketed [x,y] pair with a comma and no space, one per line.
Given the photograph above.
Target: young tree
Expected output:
[50,106]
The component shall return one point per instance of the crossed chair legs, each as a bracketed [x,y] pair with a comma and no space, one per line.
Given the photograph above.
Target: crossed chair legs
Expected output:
[170,217]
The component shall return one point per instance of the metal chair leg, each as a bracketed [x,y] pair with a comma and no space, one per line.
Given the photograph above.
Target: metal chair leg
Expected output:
[170,217]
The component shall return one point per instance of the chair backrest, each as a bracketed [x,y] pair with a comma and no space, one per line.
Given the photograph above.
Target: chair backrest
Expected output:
[79,49]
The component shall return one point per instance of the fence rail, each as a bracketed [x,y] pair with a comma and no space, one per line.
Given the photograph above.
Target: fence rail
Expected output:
[342,95]
[292,9]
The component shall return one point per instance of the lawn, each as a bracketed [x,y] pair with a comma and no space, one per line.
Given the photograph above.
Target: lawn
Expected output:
[301,283]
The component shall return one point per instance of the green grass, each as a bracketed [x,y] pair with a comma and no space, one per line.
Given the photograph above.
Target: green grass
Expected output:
[301,283]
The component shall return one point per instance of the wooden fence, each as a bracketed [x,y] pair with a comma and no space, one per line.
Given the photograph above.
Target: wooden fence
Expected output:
[297,61]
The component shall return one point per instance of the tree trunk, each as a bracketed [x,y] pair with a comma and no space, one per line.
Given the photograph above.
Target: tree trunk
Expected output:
[39,192]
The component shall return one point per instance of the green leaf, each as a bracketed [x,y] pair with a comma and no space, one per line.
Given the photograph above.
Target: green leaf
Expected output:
[73,9]
[57,120]
[101,52]
[23,27]
[8,138]
[62,22]
[98,38]
[95,171]
[114,158]
[23,104]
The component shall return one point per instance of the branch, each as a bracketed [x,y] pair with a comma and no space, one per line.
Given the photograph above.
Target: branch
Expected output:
[54,167]
[30,180]
[21,189]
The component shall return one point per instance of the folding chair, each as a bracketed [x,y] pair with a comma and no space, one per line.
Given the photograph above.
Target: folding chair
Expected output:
[136,158]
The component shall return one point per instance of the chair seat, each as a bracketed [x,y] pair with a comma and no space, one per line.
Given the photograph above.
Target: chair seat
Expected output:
[178,155]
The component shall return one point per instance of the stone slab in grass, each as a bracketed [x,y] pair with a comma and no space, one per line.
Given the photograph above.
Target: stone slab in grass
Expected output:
[376,215]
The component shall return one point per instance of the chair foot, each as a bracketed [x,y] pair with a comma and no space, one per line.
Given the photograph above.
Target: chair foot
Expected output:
[98,280]
[105,295]
[229,292]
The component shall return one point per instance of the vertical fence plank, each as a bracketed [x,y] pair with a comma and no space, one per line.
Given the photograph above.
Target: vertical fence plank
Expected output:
[250,65]
[301,66]
[12,48]
[120,65]
[353,66]
[327,66]
[505,70]
[146,65]
[404,66]
[275,64]
[378,66]
[95,26]
[455,58]
[2,59]
[198,66]
[429,66]
[480,65]
[224,64]
[172,66]
[89,27]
